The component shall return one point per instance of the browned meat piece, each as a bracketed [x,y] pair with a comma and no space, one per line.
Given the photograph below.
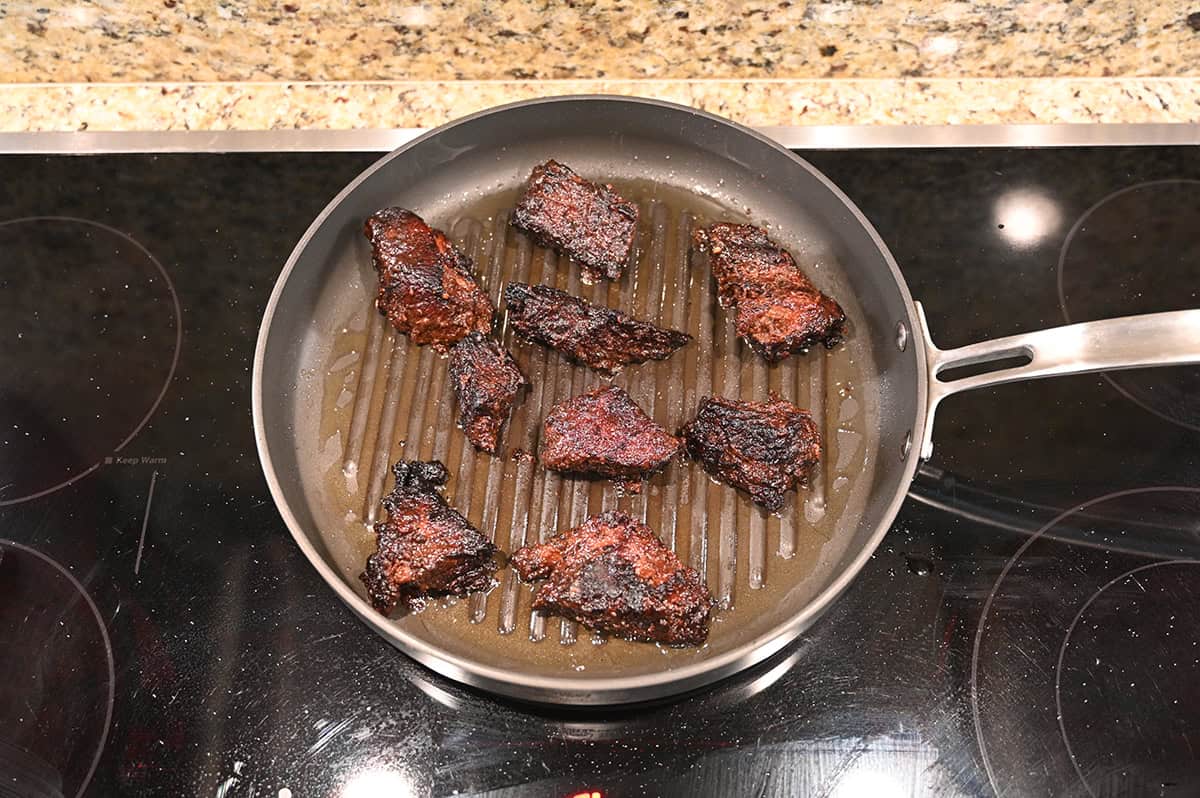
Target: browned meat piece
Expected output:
[581,219]
[779,311]
[598,337]
[425,547]
[603,433]
[486,383]
[614,575]
[425,284]
[763,448]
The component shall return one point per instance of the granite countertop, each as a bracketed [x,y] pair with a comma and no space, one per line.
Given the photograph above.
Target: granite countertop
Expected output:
[233,64]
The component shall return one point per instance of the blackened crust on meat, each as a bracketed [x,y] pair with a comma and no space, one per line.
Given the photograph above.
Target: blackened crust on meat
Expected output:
[425,548]
[583,220]
[763,448]
[612,574]
[598,337]
[603,433]
[779,310]
[486,383]
[425,284]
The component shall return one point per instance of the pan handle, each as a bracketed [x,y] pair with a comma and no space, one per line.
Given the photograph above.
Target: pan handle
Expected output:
[1156,339]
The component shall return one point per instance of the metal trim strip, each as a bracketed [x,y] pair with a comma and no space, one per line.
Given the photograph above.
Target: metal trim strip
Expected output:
[791,136]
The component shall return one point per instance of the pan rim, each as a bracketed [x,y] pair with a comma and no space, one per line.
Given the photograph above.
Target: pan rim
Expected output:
[587,690]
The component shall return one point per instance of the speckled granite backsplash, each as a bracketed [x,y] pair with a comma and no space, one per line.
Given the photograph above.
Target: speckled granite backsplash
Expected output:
[173,64]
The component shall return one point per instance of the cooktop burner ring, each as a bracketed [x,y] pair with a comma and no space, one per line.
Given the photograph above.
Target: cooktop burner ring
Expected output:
[1009,565]
[1062,652]
[1076,230]
[177,311]
[110,661]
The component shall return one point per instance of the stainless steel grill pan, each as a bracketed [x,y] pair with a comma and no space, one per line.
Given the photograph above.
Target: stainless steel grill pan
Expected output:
[338,396]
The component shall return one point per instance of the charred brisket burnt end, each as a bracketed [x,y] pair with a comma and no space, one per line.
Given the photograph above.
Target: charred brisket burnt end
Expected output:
[604,433]
[486,383]
[763,448]
[614,575]
[583,220]
[598,337]
[779,310]
[425,284]
[425,547]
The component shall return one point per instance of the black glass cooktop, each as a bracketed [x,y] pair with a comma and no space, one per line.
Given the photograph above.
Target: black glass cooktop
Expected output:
[1027,628]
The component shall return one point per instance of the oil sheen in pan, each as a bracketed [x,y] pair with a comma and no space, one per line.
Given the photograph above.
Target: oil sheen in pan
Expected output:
[750,559]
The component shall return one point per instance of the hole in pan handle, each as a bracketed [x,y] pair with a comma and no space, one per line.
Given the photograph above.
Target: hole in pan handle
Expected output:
[1155,339]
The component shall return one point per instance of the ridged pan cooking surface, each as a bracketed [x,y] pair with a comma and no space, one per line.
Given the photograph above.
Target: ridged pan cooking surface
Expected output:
[383,398]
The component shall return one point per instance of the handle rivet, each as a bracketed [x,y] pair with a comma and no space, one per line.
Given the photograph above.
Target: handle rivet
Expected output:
[901,336]
[906,447]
